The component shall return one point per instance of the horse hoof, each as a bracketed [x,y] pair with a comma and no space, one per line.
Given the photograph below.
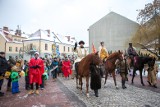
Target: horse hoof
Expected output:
[87,95]
[149,83]
[81,91]
[155,86]
[117,87]
[143,84]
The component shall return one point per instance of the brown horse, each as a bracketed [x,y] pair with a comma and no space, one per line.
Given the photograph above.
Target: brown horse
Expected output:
[83,69]
[110,65]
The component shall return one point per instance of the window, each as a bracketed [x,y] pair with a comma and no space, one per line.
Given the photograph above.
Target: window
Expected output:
[46,46]
[31,46]
[68,49]
[64,48]
[16,49]
[21,48]
[10,49]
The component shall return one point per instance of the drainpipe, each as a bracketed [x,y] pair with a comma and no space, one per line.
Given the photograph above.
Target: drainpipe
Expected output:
[23,50]
[40,45]
[5,48]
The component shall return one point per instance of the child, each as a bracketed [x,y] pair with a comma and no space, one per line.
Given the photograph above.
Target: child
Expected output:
[44,77]
[15,78]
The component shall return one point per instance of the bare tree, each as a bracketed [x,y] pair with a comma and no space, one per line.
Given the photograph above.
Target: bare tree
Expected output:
[149,18]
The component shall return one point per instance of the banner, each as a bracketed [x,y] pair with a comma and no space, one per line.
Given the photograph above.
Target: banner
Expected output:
[93,48]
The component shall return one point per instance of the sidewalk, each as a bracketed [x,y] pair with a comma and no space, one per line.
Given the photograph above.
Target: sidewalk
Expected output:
[54,95]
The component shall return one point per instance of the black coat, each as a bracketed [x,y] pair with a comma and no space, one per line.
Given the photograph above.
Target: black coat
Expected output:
[95,78]
[3,66]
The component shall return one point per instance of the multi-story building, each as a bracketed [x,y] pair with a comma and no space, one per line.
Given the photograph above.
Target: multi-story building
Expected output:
[11,42]
[47,44]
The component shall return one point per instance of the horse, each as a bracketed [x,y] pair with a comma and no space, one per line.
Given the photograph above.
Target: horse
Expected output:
[138,64]
[83,69]
[110,65]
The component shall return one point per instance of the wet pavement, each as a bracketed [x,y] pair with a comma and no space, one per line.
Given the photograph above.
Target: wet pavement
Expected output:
[55,94]
[63,93]
[109,96]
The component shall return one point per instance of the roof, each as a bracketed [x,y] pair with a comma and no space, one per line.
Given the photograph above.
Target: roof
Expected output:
[52,37]
[111,14]
[11,33]
[3,35]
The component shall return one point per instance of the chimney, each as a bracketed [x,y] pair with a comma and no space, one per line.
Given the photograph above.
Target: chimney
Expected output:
[5,30]
[18,32]
[48,31]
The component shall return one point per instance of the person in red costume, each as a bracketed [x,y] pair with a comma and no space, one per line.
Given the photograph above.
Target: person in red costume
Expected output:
[36,69]
[66,68]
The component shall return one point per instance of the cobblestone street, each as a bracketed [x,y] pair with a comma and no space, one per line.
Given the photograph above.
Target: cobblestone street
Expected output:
[63,93]
[109,96]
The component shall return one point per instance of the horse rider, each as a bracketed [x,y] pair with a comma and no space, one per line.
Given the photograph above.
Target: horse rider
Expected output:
[131,52]
[81,52]
[103,53]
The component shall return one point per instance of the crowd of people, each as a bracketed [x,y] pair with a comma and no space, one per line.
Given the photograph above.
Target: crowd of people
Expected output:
[37,70]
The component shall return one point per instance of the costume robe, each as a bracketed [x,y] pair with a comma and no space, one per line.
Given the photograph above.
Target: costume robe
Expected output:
[103,53]
[152,72]
[35,74]
[66,68]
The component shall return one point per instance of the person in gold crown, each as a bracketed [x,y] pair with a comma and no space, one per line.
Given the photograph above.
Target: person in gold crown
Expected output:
[103,53]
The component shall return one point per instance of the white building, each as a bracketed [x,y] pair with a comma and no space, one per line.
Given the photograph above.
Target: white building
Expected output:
[115,30]
[11,42]
[47,44]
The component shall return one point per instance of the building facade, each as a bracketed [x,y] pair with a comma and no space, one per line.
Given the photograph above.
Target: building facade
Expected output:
[44,42]
[24,46]
[11,42]
[115,30]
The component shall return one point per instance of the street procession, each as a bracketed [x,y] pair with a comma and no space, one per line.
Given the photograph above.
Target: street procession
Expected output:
[95,60]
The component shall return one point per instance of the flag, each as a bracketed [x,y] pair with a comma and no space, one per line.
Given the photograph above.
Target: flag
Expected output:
[93,48]
[57,50]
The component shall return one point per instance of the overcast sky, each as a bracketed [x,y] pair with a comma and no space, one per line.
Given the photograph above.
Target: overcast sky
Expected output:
[65,17]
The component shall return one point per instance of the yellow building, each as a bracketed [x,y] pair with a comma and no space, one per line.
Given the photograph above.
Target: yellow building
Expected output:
[46,44]
[11,42]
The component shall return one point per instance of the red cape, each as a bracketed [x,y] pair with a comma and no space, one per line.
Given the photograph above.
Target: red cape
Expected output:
[35,74]
[66,68]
